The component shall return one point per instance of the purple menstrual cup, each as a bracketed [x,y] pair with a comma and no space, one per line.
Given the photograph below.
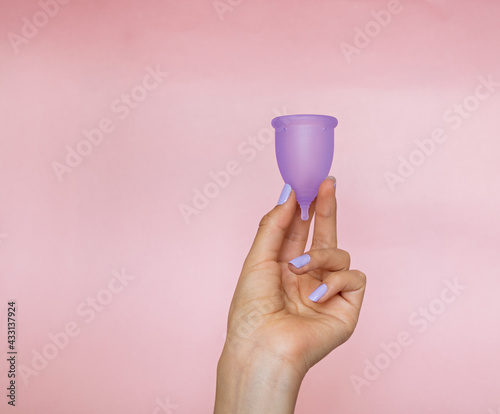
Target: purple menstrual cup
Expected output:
[304,150]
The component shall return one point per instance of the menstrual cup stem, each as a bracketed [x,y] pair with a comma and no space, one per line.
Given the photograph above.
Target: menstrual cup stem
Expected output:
[304,209]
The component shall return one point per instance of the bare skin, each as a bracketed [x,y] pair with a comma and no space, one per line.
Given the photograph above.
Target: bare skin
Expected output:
[275,332]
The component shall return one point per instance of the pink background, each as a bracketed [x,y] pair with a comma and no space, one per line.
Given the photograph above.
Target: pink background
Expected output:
[154,344]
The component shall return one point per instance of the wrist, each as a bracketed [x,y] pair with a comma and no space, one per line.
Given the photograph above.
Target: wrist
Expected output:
[254,381]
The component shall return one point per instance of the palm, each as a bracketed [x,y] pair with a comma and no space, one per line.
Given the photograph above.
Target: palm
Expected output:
[287,326]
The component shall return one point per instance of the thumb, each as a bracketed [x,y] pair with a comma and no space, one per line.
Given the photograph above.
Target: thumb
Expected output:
[272,229]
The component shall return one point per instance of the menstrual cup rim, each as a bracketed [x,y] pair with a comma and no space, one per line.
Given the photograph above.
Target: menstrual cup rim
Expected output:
[304,119]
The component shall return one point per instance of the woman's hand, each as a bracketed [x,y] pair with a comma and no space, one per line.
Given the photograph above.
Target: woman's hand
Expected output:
[289,310]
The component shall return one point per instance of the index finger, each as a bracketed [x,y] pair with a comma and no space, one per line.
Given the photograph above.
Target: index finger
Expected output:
[325,222]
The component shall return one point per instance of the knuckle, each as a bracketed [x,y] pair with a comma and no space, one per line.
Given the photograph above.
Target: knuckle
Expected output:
[320,244]
[265,221]
[323,254]
[343,258]
[294,236]
[346,257]
[361,275]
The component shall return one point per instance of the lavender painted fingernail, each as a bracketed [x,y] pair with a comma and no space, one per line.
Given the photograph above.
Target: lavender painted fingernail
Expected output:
[300,261]
[318,293]
[331,177]
[285,193]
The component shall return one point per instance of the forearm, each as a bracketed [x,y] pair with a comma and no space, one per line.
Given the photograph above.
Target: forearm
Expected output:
[253,383]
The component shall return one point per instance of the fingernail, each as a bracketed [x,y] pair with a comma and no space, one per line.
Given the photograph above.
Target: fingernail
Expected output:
[285,193]
[318,293]
[300,261]
[331,177]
